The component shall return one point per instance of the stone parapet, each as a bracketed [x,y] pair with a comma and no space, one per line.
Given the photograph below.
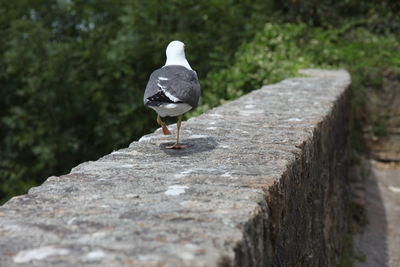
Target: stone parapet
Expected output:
[262,183]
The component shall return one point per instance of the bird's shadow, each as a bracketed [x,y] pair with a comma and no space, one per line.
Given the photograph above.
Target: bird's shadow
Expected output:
[194,145]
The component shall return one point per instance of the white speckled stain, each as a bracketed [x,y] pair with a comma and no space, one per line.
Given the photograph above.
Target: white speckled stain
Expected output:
[183,174]
[249,106]
[149,137]
[39,254]
[227,174]
[132,153]
[212,122]
[145,138]
[71,221]
[295,119]
[394,189]
[176,190]
[242,131]
[95,255]
[126,166]
[185,255]
[211,128]
[99,234]
[251,112]
[215,115]
[52,178]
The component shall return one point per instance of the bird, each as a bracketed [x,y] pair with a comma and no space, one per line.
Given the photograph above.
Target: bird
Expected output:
[173,89]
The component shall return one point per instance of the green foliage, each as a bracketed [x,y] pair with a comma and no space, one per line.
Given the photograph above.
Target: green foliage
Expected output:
[369,57]
[272,56]
[379,15]
[279,50]
[73,72]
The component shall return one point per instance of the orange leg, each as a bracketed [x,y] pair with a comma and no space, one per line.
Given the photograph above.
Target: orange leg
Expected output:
[163,125]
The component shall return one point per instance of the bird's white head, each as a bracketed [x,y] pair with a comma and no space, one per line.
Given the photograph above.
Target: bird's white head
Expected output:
[176,54]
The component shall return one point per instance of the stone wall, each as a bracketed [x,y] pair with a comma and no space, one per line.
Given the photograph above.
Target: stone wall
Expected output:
[262,183]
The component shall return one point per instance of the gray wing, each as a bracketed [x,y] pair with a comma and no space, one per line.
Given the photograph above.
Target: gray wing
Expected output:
[177,83]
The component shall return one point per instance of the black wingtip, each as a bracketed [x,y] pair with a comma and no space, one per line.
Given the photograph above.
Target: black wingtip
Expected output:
[150,103]
[160,97]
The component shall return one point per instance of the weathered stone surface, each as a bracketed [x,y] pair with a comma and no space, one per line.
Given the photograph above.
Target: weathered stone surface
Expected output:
[261,184]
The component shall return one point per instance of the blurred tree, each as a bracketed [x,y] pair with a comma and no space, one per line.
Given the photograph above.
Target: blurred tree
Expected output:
[380,15]
[72,73]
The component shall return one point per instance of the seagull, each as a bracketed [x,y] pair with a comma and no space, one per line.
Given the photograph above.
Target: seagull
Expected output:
[173,89]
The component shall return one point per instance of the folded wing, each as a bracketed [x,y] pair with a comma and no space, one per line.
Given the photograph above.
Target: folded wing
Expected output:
[172,84]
